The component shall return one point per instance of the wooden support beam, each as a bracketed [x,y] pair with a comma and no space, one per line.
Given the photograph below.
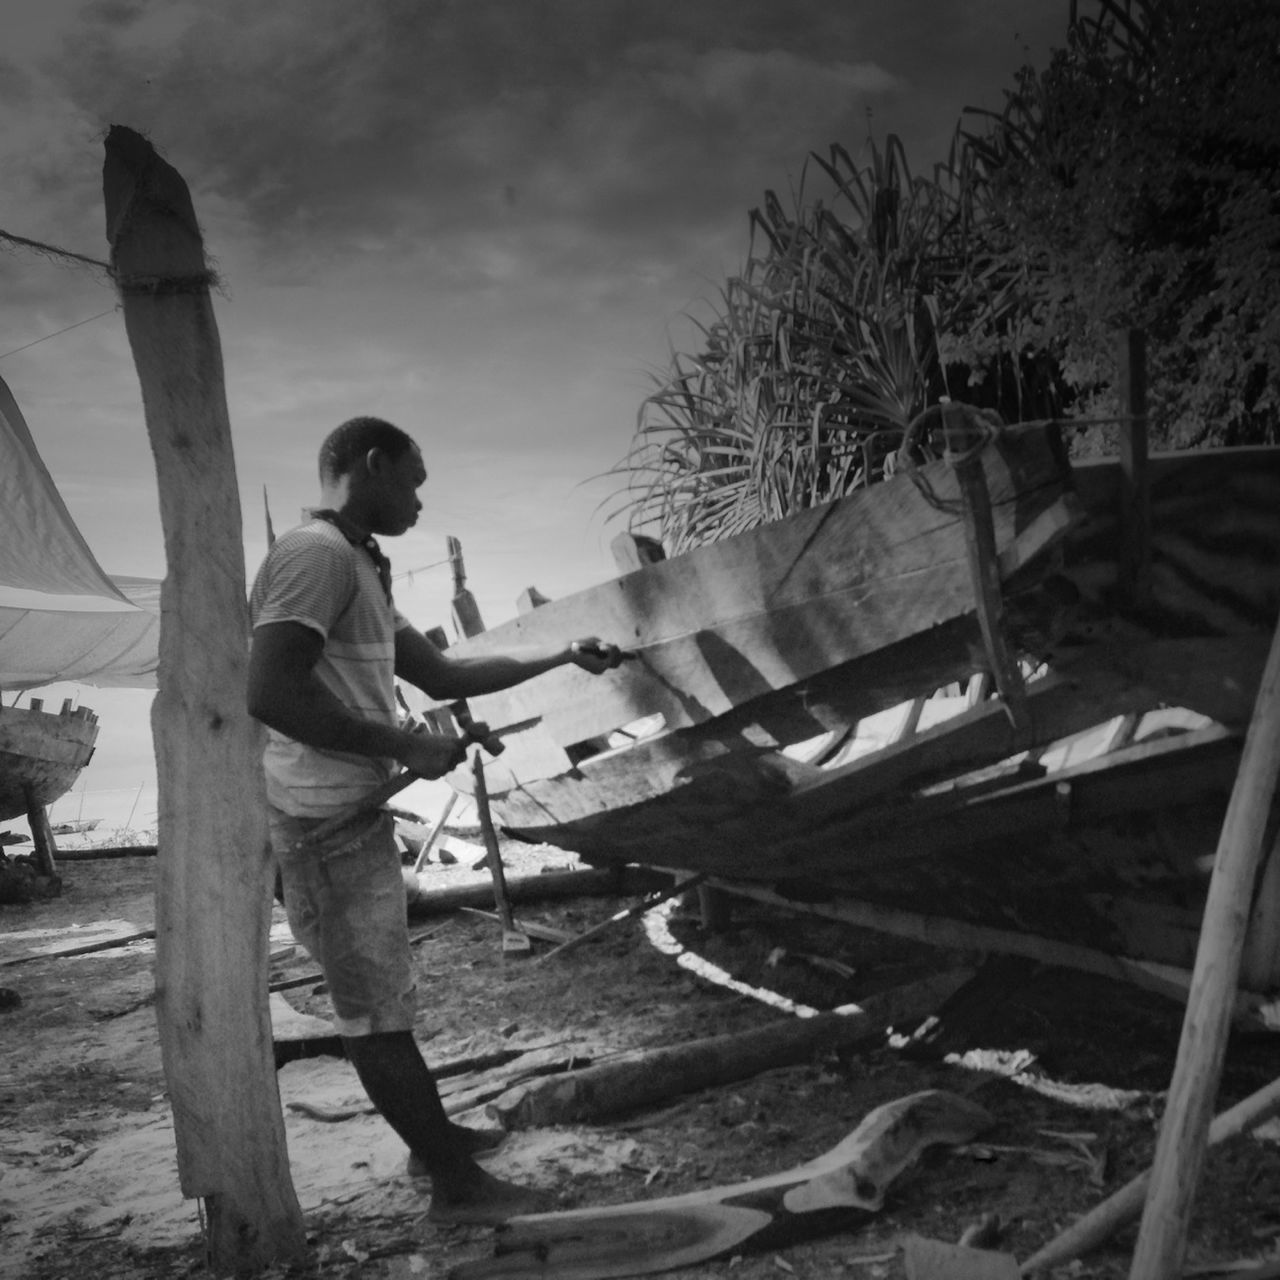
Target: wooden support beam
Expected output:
[1135,487]
[1180,1148]
[984,569]
[45,847]
[213,885]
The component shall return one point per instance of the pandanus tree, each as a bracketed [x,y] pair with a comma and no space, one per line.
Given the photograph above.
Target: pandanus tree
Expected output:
[821,351]
[1132,183]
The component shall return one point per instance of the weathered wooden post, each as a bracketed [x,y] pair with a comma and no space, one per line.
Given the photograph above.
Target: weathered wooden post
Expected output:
[1175,1172]
[213,898]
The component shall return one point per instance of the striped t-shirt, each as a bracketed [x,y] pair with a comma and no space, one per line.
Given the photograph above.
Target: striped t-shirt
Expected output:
[312,575]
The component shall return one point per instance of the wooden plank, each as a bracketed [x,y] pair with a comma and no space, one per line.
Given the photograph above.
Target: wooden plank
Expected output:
[738,619]
[1215,539]
[677,1231]
[939,931]
[213,887]
[1180,1147]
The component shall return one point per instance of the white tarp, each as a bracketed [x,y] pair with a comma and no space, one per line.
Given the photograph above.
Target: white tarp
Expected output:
[62,617]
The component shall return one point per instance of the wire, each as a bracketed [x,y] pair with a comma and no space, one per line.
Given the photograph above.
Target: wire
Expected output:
[68,329]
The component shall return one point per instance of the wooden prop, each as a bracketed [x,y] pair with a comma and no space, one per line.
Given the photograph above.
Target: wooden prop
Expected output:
[429,843]
[213,886]
[514,943]
[1180,1149]
[635,1080]
[836,1191]
[1135,485]
[984,569]
[1121,1207]
[628,913]
[45,846]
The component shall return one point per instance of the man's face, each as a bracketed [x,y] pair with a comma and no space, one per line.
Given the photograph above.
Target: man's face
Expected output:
[398,484]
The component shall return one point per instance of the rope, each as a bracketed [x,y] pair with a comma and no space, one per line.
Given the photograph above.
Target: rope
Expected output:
[57,333]
[52,251]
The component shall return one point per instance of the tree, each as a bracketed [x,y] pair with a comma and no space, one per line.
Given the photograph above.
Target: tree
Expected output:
[1135,182]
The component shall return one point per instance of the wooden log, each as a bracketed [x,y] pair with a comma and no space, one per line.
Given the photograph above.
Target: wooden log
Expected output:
[41,837]
[213,889]
[1180,1148]
[837,1191]
[536,888]
[639,1079]
[1121,1207]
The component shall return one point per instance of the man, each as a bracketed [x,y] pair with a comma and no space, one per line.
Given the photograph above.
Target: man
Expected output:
[327,645]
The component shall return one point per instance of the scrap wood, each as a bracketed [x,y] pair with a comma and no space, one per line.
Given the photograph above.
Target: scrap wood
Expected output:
[638,1079]
[87,948]
[1101,1222]
[837,1190]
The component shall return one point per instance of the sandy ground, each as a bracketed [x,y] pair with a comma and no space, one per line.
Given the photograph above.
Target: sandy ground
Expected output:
[88,1181]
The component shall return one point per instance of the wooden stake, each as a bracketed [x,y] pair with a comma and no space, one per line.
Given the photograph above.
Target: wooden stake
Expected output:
[1135,482]
[213,887]
[514,943]
[1180,1150]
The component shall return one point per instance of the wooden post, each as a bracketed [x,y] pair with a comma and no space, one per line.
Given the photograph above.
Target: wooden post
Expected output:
[213,883]
[1135,483]
[42,839]
[1181,1146]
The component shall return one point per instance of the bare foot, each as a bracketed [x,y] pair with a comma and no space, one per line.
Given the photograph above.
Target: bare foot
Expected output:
[472,1142]
[485,1199]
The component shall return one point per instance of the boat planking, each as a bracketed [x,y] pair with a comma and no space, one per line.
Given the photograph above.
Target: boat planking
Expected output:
[754,644]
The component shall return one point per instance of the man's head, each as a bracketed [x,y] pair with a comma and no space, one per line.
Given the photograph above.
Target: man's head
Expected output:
[370,470]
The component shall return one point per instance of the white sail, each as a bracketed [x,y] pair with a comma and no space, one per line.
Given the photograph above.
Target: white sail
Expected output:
[62,616]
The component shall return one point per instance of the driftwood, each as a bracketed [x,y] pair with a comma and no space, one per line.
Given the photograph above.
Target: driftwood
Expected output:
[213,896]
[1102,1221]
[636,1080]
[841,1189]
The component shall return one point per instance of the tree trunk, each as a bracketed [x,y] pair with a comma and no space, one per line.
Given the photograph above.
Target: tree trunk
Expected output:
[213,897]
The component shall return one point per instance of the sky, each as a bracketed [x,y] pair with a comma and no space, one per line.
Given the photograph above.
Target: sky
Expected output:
[489,221]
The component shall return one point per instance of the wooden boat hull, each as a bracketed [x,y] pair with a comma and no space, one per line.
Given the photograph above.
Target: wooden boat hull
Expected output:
[748,646]
[851,609]
[41,755]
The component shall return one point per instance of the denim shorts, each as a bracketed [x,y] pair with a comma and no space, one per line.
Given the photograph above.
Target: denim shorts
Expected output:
[346,904]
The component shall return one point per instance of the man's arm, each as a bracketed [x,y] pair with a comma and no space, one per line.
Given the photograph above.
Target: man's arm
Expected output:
[285,695]
[444,676]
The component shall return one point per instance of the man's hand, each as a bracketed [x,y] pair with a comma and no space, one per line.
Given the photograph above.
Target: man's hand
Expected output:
[594,655]
[431,755]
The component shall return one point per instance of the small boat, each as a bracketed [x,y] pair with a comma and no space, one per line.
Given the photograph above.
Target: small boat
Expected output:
[42,754]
